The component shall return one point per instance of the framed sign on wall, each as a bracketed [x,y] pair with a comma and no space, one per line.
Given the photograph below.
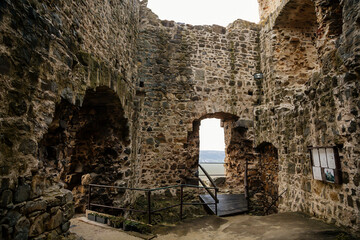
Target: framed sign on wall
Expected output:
[325,164]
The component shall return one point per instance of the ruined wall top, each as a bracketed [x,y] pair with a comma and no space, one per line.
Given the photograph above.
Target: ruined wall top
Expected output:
[266,7]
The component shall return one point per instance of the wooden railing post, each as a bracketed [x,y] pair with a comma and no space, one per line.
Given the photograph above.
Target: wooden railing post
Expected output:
[181,201]
[89,198]
[149,206]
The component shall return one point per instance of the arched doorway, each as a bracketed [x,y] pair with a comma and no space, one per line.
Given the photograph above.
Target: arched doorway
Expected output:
[88,144]
[238,150]
[212,151]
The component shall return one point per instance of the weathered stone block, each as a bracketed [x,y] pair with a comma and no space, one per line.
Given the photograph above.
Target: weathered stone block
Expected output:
[22,228]
[345,177]
[38,226]
[65,227]
[356,179]
[68,211]
[350,201]
[4,65]
[200,75]
[6,231]
[18,107]
[6,198]
[244,123]
[22,193]
[55,220]
[11,218]
[28,146]
[291,168]
[35,206]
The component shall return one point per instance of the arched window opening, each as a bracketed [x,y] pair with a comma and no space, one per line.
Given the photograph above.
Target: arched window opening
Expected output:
[238,150]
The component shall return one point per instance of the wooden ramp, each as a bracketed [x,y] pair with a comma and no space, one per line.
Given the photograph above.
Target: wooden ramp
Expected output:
[229,204]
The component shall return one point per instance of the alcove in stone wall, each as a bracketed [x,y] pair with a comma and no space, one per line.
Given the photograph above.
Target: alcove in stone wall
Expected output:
[295,54]
[266,192]
[88,144]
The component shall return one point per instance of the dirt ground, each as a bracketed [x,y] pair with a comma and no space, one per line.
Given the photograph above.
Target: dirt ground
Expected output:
[279,226]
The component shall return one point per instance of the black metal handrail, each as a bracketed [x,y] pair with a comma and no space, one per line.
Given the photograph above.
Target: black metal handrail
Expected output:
[208,176]
[214,196]
[149,211]
[213,174]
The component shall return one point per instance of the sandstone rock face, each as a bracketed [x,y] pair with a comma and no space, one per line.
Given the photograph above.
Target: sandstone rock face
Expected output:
[105,92]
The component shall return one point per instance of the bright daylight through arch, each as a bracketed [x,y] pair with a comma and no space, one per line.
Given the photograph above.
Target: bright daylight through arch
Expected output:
[212,147]
[211,135]
[206,12]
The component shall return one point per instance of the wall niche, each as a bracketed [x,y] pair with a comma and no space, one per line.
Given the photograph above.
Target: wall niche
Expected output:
[88,144]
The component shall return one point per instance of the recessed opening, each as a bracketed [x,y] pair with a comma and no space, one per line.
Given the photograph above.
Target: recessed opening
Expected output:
[206,12]
[268,186]
[88,144]
[212,149]
[295,53]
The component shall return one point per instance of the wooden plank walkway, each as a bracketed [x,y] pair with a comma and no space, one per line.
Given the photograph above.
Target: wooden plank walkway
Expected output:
[229,204]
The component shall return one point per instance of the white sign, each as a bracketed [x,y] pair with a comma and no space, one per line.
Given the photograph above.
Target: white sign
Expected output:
[315,155]
[330,158]
[323,161]
[317,173]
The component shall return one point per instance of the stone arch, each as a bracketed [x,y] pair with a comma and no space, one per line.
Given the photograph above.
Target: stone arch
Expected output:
[88,144]
[238,148]
[266,187]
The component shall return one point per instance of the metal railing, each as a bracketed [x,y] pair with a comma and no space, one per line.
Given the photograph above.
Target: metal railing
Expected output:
[214,196]
[148,192]
[206,165]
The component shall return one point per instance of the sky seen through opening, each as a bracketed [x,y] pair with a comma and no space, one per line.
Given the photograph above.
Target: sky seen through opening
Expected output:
[211,135]
[206,12]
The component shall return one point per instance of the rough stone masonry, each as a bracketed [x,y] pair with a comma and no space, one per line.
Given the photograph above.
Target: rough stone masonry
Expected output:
[105,92]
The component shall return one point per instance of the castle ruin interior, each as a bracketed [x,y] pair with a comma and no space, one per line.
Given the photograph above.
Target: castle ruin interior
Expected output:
[104,92]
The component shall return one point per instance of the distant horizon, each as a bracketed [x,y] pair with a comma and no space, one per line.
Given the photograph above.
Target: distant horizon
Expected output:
[211,156]
[206,150]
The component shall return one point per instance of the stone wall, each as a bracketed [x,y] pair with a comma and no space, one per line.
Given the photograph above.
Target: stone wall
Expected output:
[239,151]
[66,66]
[266,7]
[311,67]
[88,145]
[264,192]
[189,73]
[53,52]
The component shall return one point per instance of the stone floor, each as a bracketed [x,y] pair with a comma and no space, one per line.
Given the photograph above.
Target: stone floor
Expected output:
[280,226]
